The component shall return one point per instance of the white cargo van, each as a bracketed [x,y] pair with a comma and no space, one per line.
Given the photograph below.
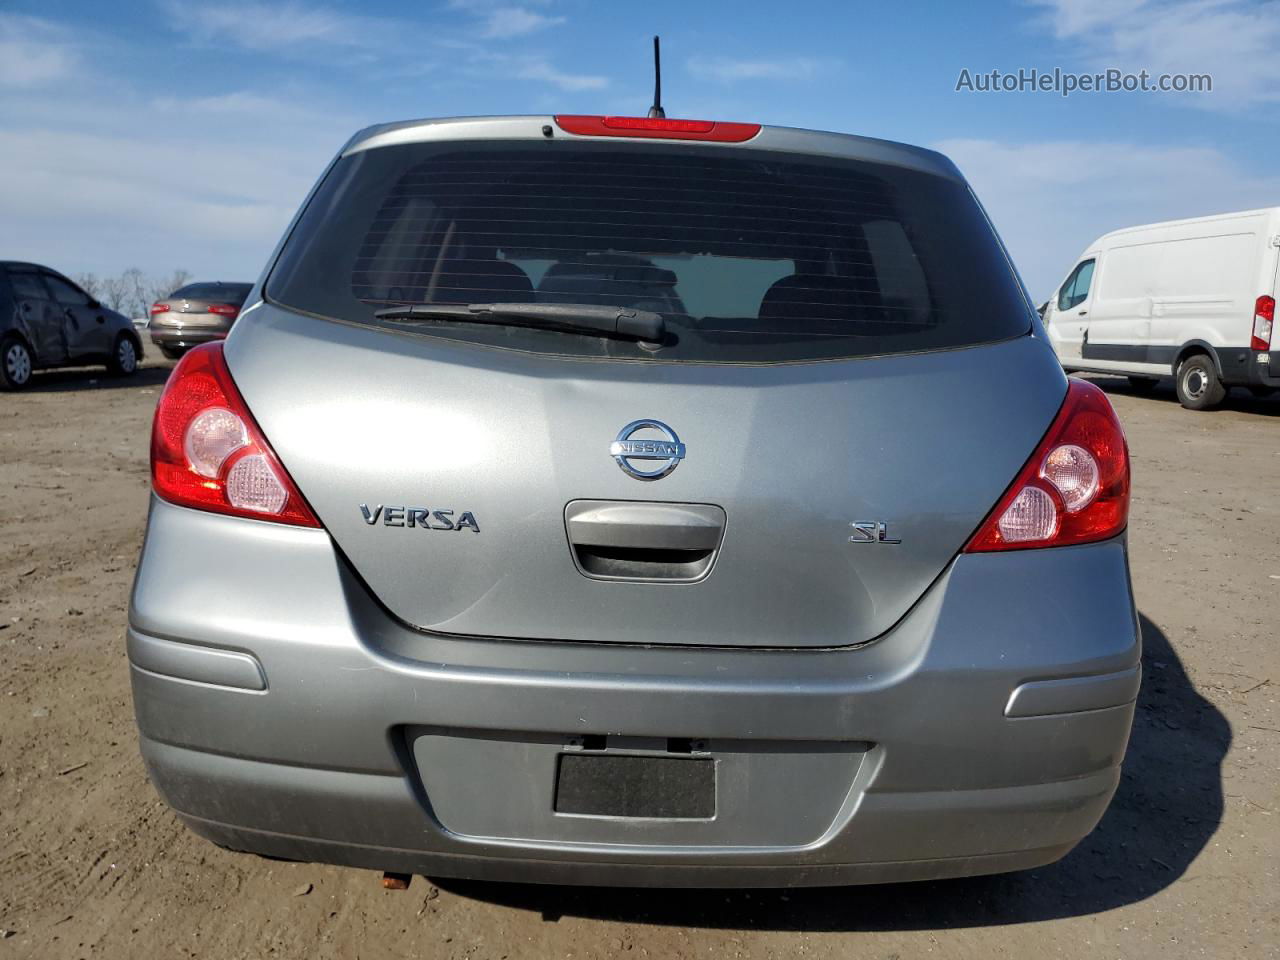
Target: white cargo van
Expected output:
[1191,299]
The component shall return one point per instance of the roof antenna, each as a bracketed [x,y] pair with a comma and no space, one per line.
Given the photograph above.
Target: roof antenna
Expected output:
[656,110]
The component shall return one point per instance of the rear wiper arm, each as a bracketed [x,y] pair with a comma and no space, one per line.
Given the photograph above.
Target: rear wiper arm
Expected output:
[576,317]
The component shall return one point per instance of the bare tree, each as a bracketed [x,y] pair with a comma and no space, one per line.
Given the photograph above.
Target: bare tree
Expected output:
[114,293]
[132,291]
[89,283]
[136,290]
[166,285]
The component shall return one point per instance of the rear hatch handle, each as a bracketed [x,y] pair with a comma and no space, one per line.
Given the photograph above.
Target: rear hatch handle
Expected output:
[638,540]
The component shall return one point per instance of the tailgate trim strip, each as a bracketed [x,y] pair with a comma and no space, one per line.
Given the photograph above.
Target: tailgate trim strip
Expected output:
[1042,698]
[188,661]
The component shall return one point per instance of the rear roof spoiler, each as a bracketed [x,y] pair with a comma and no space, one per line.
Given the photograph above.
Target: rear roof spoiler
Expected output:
[765,137]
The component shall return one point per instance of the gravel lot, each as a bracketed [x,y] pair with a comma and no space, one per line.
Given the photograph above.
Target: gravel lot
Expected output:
[91,864]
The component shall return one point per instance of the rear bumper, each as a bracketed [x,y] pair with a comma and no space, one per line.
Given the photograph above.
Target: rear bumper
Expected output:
[282,711]
[1266,374]
[1243,367]
[183,337]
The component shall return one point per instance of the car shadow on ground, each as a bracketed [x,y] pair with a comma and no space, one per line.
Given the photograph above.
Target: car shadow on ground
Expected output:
[65,380]
[1168,806]
[1238,398]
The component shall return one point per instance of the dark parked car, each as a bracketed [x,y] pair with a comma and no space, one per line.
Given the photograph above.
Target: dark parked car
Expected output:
[196,314]
[48,321]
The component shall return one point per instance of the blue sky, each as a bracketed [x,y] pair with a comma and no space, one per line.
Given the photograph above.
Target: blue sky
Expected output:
[165,135]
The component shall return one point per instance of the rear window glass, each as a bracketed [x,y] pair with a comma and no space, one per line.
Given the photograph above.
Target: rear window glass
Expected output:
[220,292]
[750,256]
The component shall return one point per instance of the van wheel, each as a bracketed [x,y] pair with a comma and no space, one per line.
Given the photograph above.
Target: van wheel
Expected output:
[1142,384]
[124,357]
[1198,385]
[15,364]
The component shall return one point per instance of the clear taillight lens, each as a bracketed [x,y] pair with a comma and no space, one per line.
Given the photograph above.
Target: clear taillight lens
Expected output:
[1031,516]
[208,453]
[252,484]
[1074,473]
[1075,487]
[211,437]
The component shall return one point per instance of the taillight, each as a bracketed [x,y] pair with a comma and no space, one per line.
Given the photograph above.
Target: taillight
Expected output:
[667,129]
[208,453]
[1075,487]
[224,309]
[159,308]
[1264,317]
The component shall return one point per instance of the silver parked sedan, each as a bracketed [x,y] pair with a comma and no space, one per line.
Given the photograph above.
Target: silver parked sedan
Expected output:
[194,314]
[638,501]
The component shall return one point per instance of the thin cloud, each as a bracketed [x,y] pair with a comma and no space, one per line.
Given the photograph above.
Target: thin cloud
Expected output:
[1071,18]
[477,61]
[240,103]
[1233,41]
[505,22]
[300,29]
[34,52]
[83,191]
[499,20]
[90,194]
[285,27]
[728,70]
[542,71]
[1084,189]
[94,201]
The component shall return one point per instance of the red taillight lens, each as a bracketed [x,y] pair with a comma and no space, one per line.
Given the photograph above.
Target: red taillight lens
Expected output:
[1075,487]
[208,453]
[159,308]
[1264,318]
[224,309]
[713,130]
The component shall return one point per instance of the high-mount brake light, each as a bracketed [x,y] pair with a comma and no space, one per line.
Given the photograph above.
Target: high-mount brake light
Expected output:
[1075,487]
[659,127]
[208,453]
[1264,318]
[657,124]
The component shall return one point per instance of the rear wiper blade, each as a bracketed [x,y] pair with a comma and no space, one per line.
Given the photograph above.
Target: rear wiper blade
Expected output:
[586,318]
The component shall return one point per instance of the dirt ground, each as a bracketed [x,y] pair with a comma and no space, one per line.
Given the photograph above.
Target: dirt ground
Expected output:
[91,864]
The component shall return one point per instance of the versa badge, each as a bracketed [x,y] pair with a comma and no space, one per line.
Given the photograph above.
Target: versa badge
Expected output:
[418,517]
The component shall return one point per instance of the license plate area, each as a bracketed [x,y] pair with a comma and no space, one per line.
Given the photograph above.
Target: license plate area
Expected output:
[635,786]
[504,785]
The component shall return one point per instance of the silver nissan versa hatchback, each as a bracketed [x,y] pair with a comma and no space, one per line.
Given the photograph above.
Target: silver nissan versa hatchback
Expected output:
[636,501]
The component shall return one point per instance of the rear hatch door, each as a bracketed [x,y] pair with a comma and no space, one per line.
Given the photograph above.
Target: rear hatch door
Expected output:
[372,426]
[848,374]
